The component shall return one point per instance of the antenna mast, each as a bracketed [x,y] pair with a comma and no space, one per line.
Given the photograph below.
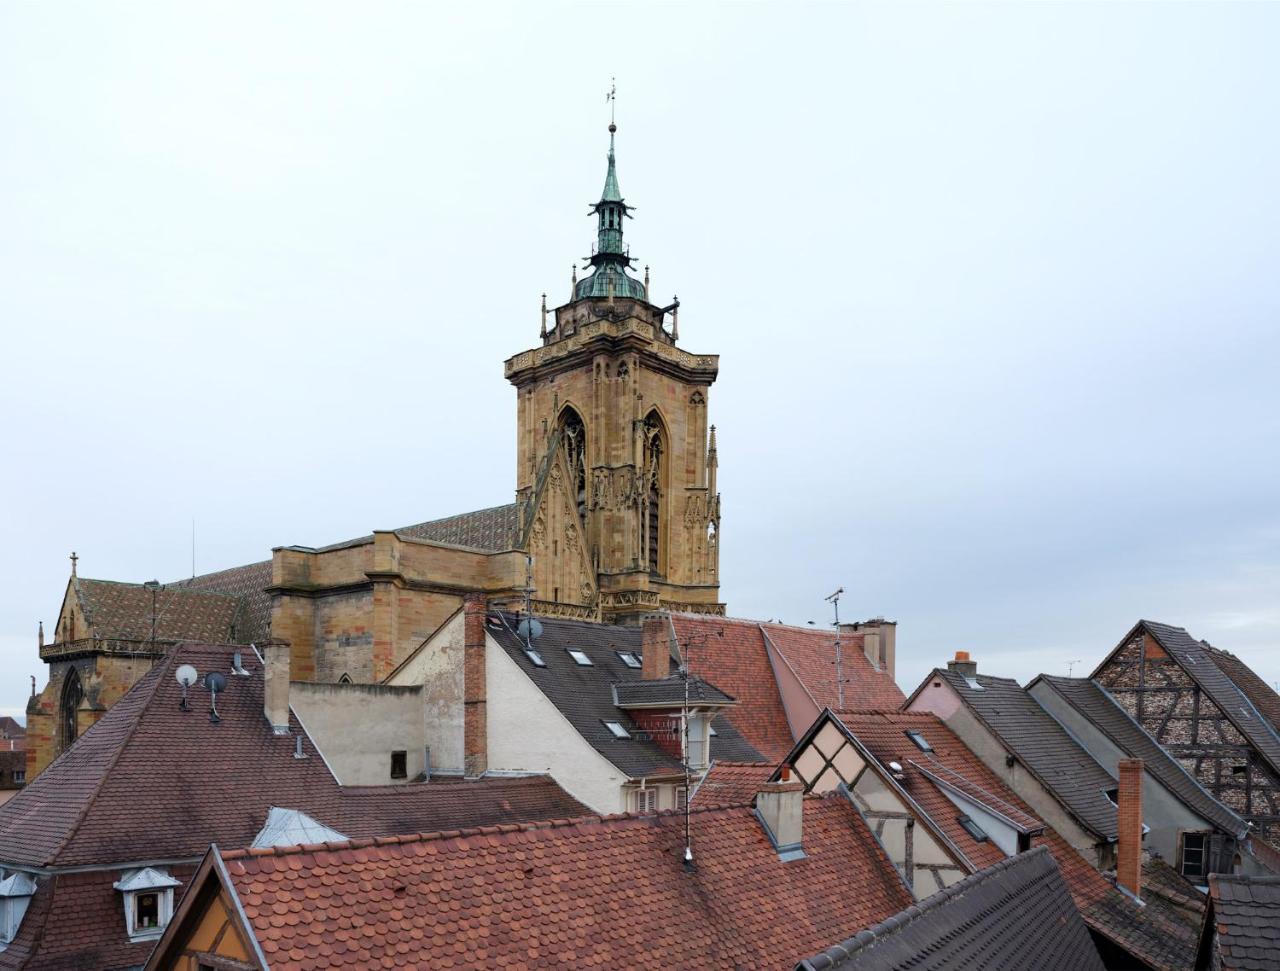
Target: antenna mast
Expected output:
[528,607]
[834,600]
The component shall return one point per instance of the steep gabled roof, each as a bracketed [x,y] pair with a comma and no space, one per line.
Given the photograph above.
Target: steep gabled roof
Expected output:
[588,893]
[811,652]
[1255,689]
[585,695]
[1095,704]
[731,783]
[124,610]
[1032,735]
[1245,913]
[1015,914]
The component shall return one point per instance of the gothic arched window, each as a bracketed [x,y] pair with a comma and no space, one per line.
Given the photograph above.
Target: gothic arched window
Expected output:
[654,454]
[72,695]
[573,437]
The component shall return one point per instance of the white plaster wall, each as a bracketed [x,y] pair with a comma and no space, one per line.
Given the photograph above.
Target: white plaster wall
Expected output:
[1001,833]
[437,666]
[527,733]
[358,726]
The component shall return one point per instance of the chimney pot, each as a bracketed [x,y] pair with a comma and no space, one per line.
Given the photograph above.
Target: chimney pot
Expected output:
[780,807]
[275,684]
[1129,827]
[963,665]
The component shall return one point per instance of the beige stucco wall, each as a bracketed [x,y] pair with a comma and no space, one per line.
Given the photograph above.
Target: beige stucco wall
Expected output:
[527,733]
[437,667]
[358,726]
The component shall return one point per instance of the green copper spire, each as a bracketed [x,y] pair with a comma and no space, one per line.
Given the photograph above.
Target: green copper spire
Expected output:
[610,258]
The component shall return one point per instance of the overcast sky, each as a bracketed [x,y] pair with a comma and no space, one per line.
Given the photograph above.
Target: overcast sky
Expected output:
[994,287]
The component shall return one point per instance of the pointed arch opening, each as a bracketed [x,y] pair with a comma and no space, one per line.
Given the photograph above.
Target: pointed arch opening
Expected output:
[345,679]
[653,523]
[72,695]
[573,439]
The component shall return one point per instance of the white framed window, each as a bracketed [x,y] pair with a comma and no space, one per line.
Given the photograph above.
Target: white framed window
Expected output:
[148,901]
[645,800]
[16,891]
[696,751]
[579,658]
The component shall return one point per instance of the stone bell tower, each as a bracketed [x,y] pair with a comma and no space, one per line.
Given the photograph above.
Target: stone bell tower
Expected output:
[612,418]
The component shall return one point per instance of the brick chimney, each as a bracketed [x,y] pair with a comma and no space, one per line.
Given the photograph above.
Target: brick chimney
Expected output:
[963,666]
[276,663]
[655,647]
[1129,827]
[780,806]
[475,724]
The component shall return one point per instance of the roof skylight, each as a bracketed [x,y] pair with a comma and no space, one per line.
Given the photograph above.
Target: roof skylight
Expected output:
[973,683]
[579,658]
[535,657]
[617,729]
[630,658]
[920,741]
[973,829]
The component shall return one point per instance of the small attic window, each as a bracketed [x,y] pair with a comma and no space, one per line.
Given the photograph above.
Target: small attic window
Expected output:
[534,658]
[579,658]
[1236,770]
[973,829]
[617,729]
[1113,796]
[630,658]
[399,765]
[148,901]
[920,741]
[973,683]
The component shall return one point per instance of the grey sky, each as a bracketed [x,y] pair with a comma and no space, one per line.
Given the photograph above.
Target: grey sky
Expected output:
[994,289]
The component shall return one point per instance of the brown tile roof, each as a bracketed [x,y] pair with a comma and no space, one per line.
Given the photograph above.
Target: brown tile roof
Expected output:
[9,728]
[491,529]
[1015,914]
[150,781]
[811,652]
[1158,934]
[586,893]
[1245,913]
[123,611]
[731,654]
[732,783]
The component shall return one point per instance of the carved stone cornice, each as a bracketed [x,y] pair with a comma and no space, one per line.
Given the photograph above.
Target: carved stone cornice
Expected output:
[611,337]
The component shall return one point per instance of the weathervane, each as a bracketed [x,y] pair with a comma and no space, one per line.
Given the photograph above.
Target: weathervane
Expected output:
[612,98]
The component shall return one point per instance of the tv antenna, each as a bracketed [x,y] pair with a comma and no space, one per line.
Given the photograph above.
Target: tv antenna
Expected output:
[215,682]
[834,600]
[530,628]
[186,676]
[1071,666]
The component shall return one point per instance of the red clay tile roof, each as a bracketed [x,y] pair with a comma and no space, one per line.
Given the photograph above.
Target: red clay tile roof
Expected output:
[811,652]
[731,654]
[9,728]
[586,893]
[123,611]
[150,781]
[732,783]
[1158,934]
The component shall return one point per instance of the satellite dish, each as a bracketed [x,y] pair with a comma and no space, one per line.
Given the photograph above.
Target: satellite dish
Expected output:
[215,682]
[894,766]
[530,628]
[186,675]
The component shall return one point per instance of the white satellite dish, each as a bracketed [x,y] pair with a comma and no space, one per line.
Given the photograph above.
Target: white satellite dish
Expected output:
[186,675]
[530,628]
[895,767]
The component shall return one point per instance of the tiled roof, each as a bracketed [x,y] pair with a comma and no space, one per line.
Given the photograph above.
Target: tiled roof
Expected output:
[1159,935]
[1255,689]
[491,529]
[669,691]
[585,694]
[732,783]
[1014,915]
[731,654]
[586,893]
[1245,912]
[123,611]
[1032,735]
[150,781]
[248,584]
[9,728]
[11,761]
[811,652]
[1095,704]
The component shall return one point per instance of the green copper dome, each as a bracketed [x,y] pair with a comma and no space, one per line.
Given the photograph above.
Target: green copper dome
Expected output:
[610,259]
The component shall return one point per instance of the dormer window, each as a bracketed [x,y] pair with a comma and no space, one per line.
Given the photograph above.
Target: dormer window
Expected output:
[16,892]
[148,901]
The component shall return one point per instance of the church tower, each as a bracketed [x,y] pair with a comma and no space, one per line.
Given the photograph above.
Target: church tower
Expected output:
[616,464]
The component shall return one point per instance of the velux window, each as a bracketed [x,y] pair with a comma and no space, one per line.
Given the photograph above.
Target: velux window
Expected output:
[534,658]
[579,658]
[973,829]
[617,729]
[629,658]
[920,741]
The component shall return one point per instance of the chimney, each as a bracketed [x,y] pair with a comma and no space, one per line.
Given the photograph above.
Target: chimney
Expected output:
[655,647]
[780,807]
[275,684]
[962,665]
[1129,827]
[475,725]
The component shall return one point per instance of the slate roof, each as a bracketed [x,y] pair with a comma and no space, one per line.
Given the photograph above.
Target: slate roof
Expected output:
[585,695]
[1245,914]
[1041,744]
[1096,704]
[1014,915]
[1255,689]
[668,691]
[731,783]
[1160,935]
[123,611]
[588,893]
[491,529]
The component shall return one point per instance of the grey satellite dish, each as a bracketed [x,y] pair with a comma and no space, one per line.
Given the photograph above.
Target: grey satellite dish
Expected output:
[215,682]
[186,676]
[530,628]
